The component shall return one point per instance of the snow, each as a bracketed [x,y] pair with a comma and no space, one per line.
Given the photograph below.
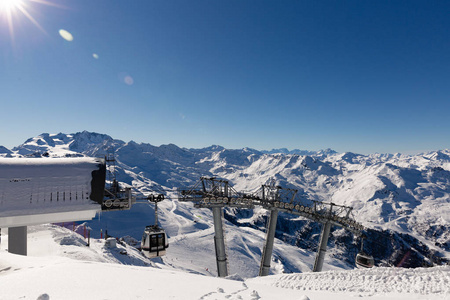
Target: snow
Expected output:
[61,266]
[377,280]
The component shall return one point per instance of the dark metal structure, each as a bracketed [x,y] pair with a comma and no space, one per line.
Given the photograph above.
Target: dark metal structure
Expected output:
[115,197]
[213,193]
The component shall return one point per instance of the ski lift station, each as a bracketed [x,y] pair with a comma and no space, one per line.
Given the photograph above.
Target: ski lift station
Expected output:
[49,190]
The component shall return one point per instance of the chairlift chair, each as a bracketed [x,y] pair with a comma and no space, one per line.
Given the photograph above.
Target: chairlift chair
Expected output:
[364,260]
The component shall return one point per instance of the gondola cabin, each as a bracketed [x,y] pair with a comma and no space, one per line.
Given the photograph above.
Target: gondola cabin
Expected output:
[364,260]
[154,242]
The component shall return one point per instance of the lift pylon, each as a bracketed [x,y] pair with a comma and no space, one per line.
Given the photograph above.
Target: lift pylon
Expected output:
[320,256]
[268,246]
[219,242]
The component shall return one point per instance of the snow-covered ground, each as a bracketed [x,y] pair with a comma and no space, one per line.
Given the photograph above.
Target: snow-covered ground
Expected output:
[61,266]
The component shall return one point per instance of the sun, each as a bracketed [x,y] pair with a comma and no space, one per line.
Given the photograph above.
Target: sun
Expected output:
[8,6]
[14,9]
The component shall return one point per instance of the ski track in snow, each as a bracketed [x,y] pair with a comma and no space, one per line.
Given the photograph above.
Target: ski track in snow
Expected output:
[176,219]
[424,281]
[221,294]
[195,234]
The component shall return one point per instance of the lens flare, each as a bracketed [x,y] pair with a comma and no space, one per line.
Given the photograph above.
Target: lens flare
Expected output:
[128,80]
[66,35]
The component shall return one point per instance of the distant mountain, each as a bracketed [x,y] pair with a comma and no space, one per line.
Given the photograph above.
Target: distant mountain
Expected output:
[4,150]
[85,143]
[403,200]
[325,152]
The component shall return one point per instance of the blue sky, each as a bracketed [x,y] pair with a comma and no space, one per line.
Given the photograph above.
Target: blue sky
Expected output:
[360,76]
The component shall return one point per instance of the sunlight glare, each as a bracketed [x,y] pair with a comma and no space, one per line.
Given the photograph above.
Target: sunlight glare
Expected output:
[12,9]
[8,6]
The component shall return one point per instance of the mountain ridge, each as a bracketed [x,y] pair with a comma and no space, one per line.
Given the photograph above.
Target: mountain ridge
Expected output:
[403,199]
[94,137]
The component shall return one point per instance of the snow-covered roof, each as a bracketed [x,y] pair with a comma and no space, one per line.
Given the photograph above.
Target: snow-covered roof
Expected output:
[43,190]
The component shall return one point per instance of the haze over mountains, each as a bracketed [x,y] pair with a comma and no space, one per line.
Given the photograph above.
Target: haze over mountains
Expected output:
[403,200]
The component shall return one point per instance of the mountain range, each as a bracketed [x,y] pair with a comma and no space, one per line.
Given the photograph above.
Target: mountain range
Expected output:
[402,200]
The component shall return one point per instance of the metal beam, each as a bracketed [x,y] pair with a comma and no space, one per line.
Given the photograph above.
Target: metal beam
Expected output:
[219,242]
[269,197]
[322,247]
[268,247]
[17,240]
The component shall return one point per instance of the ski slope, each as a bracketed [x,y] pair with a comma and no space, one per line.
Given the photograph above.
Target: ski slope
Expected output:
[60,266]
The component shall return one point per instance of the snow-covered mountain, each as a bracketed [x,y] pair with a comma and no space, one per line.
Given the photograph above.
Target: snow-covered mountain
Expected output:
[4,150]
[403,200]
[300,152]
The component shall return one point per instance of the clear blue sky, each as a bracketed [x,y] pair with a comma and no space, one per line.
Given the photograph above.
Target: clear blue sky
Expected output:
[360,76]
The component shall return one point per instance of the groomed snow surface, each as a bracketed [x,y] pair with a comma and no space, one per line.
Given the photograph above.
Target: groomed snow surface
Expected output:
[59,265]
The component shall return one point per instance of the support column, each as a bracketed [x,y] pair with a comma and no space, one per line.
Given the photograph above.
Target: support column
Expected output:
[219,242]
[320,256]
[268,247]
[17,240]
